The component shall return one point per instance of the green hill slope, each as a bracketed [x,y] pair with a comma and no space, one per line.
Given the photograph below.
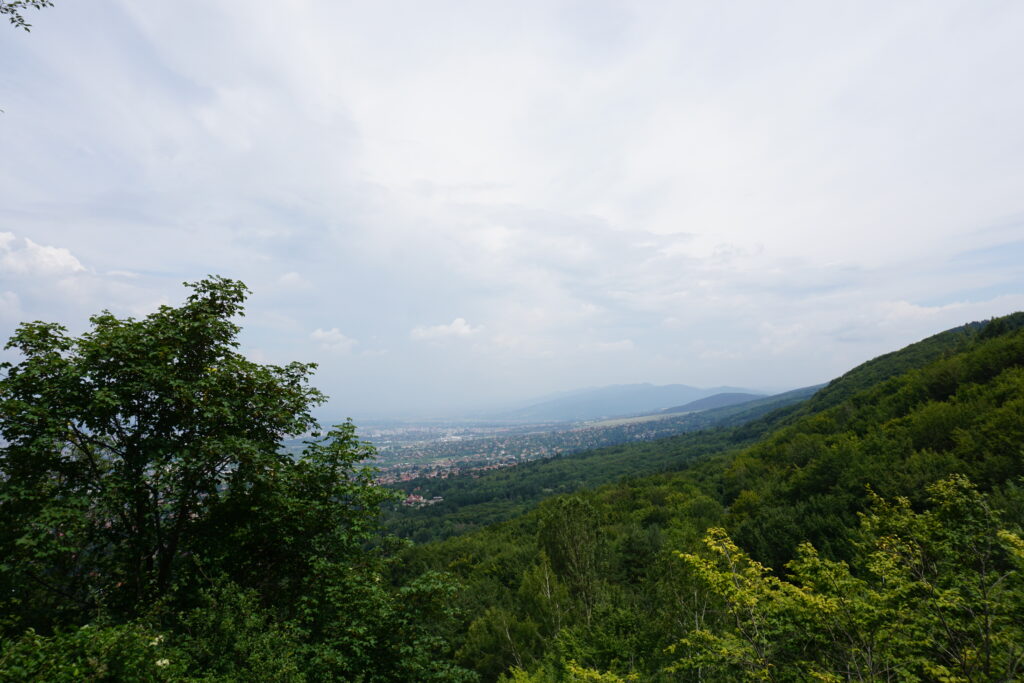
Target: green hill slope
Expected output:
[594,579]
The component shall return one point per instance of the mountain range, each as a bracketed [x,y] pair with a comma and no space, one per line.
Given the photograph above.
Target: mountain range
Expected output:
[615,401]
[729,398]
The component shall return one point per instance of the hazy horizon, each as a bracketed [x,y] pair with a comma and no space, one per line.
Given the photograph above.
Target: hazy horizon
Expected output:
[452,206]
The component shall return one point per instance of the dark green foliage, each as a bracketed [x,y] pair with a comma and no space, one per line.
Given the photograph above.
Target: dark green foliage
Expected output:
[569,537]
[963,414]
[143,490]
[151,529]
[90,653]
[230,635]
[122,445]
[951,405]
[14,8]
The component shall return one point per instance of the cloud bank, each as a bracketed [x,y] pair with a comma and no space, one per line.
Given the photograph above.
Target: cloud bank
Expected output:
[592,193]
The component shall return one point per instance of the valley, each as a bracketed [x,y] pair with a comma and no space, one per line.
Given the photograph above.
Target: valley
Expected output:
[409,451]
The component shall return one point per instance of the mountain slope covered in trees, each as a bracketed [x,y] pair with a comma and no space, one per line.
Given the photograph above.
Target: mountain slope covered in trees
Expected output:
[874,534]
[471,502]
[152,529]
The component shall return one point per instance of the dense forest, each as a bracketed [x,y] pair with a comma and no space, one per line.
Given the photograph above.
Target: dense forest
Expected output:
[151,528]
[872,534]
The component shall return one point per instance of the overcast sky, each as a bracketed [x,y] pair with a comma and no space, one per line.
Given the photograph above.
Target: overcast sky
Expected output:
[452,204]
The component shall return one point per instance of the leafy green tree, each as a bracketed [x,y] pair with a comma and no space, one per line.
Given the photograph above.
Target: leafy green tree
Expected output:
[934,595]
[568,534]
[573,673]
[122,442]
[14,8]
[498,640]
[143,486]
[127,652]
[543,596]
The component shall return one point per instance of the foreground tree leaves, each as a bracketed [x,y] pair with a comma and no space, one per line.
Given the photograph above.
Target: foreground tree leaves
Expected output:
[121,444]
[143,489]
[933,595]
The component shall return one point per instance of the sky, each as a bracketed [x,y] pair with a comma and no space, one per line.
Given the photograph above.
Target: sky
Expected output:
[451,206]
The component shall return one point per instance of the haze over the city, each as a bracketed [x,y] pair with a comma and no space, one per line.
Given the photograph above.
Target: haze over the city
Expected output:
[451,206]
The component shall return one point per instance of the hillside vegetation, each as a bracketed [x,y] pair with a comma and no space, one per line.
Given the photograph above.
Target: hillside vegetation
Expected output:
[874,534]
[152,528]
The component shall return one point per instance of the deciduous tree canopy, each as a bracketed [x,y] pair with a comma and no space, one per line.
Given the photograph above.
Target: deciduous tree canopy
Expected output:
[144,486]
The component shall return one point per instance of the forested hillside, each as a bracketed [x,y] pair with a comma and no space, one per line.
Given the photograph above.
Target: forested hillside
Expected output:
[151,528]
[875,535]
[715,401]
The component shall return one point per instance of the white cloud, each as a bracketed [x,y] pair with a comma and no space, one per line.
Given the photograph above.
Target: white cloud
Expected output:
[257,356]
[333,340]
[35,259]
[746,194]
[457,328]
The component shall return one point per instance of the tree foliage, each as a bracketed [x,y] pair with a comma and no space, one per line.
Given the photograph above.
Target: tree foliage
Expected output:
[152,528]
[124,443]
[14,8]
[935,595]
[143,486]
[808,575]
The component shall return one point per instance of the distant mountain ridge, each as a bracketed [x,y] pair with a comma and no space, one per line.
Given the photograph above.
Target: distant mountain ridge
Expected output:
[614,401]
[714,401]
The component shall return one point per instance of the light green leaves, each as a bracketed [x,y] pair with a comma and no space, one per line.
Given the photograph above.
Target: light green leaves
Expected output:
[932,595]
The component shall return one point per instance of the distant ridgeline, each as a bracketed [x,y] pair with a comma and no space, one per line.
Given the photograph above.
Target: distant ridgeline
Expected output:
[717,401]
[871,532]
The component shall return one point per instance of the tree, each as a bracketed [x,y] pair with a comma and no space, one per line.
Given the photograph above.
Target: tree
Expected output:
[933,595]
[120,442]
[14,8]
[143,483]
[568,534]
